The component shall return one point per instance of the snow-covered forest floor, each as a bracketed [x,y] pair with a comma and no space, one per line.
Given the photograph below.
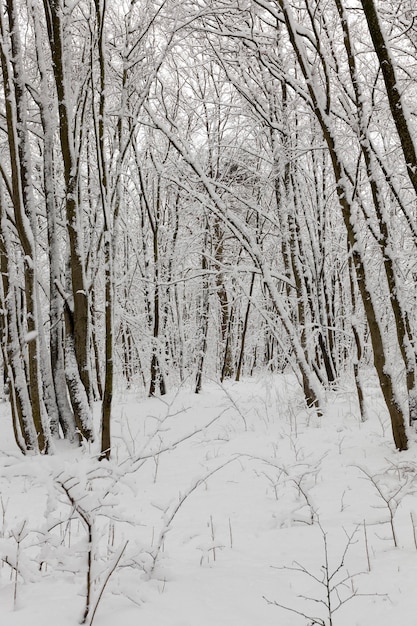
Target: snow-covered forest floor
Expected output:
[215,510]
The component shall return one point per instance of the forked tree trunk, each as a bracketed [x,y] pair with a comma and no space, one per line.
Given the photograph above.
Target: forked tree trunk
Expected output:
[80,306]
[53,364]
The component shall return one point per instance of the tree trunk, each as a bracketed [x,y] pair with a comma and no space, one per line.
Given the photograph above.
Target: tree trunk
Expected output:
[80,306]
[245,329]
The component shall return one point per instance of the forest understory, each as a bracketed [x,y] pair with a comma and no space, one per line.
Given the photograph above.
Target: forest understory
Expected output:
[219,508]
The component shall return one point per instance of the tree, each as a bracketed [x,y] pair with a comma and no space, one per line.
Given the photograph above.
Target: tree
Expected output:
[71,130]
[24,342]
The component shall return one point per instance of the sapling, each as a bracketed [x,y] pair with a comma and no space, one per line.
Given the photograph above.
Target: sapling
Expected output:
[264,417]
[156,460]
[303,491]
[88,522]
[3,506]
[172,511]
[145,453]
[342,501]
[275,482]
[295,447]
[18,537]
[297,477]
[413,524]
[293,419]
[110,538]
[89,507]
[234,404]
[213,537]
[213,545]
[335,586]
[390,496]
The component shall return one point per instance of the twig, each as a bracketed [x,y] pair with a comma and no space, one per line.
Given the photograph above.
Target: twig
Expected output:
[106,580]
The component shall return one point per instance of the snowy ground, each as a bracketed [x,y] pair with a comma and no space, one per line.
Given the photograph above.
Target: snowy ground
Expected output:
[215,510]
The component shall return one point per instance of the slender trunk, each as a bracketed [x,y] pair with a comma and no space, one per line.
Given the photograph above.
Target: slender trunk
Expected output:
[81,327]
[203,314]
[358,344]
[225,312]
[157,378]
[100,9]
[108,348]
[99,387]
[397,106]
[245,329]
